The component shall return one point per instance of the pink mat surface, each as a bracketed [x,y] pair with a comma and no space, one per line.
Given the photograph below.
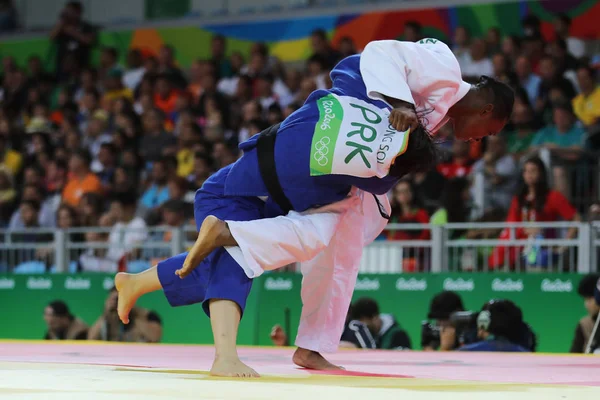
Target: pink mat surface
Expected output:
[482,367]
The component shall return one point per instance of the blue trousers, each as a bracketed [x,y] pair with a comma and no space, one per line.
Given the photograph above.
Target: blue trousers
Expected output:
[219,276]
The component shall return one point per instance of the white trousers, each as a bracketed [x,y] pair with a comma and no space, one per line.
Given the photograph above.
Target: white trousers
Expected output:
[328,242]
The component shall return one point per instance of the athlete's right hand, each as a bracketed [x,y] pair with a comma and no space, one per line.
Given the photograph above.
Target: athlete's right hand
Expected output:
[403,118]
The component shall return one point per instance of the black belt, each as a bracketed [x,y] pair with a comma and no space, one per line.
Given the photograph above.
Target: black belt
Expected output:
[265,149]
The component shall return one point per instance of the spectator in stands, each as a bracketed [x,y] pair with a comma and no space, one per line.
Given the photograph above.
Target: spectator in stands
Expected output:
[61,324]
[511,47]
[461,47]
[158,191]
[178,189]
[9,158]
[29,211]
[492,41]
[413,31]
[562,25]
[518,141]
[213,123]
[8,16]
[88,81]
[565,62]
[502,69]
[104,166]
[551,78]
[109,62]
[406,209]
[46,214]
[8,196]
[346,47]
[129,231]
[455,204]
[531,26]
[165,95]
[167,66]
[586,105]
[135,69]
[387,332]
[89,104]
[155,142]
[500,173]
[90,208]
[218,56]
[144,325]
[114,88]
[96,134]
[321,47]
[535,202]
[479,63]
[586,324]
[565,140]
[460,164]
[222,155]
[202,169]
[81,180]
[73,36]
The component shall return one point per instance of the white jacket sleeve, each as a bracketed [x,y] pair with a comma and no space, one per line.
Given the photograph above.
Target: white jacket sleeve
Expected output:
[424,73]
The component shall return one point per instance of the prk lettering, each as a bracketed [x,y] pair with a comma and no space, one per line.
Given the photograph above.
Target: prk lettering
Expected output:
[367,133]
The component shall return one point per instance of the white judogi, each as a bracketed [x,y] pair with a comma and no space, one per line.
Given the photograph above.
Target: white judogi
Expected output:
[329,241]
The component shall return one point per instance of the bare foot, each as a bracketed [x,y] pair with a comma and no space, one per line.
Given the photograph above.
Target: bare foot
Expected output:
[232,367]
[213,233]
[313,360]
[128,295]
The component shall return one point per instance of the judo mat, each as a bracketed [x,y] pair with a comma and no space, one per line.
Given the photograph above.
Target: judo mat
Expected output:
[94,370]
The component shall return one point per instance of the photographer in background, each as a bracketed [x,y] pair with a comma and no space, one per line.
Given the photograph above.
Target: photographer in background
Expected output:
[144,325]
[441,335]
[586,324]
[500,327]
[61,324]
[387,332]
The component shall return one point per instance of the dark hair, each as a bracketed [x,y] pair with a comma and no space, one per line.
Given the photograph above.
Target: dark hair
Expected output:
[76,5]
[32,203]
[218,38]
[319,59]
[60,308]
[561,43]
[112,51]
[84,155]
[174,205]
[420,155]
[126,199]
[452,200]
[320,33]
[110,147]
[591,72]
[398,211]
[542,188]
[531,21]
[506,319]
[70,210]
[414,25]
[500,95]
[515,39]
[200,155]
[564,18]
[365,307]
[587,284]
[444,304]
[562,105]
[260,124]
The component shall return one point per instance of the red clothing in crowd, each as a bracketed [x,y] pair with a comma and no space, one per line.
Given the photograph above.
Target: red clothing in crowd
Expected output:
[455,169]
[557,207]
[419,216]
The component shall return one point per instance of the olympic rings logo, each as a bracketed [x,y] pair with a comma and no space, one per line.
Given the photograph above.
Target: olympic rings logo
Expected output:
[321,151]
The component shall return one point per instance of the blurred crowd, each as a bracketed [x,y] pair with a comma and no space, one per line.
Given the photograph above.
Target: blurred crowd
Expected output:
[125,145]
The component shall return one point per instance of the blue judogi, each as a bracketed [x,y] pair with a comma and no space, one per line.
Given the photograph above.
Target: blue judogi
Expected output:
[501,345]
[233,194]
